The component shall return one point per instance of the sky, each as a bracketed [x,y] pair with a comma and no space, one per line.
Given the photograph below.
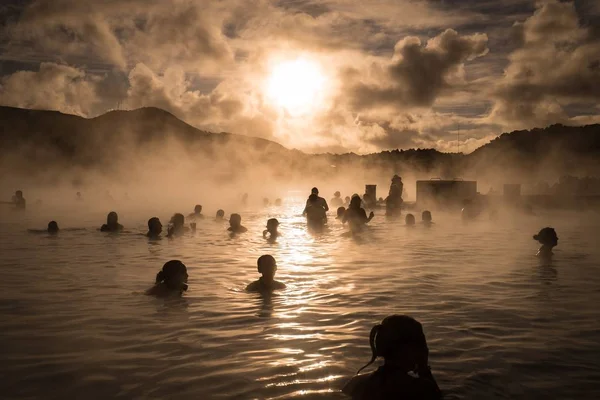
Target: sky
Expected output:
[316,75]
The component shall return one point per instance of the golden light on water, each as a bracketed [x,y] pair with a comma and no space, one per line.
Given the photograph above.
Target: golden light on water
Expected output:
[297,85]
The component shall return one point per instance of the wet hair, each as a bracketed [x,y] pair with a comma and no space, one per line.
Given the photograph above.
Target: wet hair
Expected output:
[266,264]
[178,219]
[273,222]
[410,219]
[313,198]
[314,190]
[394,332]
[52,227]
[341,211]
[426,216]
[169,271]
[112,216]
[198,209]
[546,235]
[152,222]
[235,218]
[355,202]
[220,213]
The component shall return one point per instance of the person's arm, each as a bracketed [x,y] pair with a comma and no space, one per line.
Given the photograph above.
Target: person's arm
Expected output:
[325,206]
[371,215]
[432,391]
[305,208]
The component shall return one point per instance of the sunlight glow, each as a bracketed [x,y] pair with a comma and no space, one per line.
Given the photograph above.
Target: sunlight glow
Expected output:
[297,86]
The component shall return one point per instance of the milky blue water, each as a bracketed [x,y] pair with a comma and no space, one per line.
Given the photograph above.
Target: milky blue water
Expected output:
[75,323]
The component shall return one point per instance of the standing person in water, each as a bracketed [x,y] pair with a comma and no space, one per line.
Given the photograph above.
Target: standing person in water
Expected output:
[197,214]
[356,216]
[220,215]
[171,280]
[549,239]
[337,200]
[319,202]
[235,224]
[271,231]
[154,228]
[17,200]
[393,203]
[316,217]
[112,223]
[405,373]
[267,266]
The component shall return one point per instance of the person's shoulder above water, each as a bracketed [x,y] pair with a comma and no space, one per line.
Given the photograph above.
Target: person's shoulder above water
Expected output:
[260,286]
[384,385]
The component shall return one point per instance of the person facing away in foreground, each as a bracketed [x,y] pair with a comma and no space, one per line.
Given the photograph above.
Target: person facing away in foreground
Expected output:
[52,227]
[405,373]
[154,228]
[409,220]
[426,218]
[319,202]
[220,215]
[171,280]
[235,224]
[112,223]
[316,217]
[197,212]
[337,200]
[267,266]
[355,215]
[548,238]
[271,231]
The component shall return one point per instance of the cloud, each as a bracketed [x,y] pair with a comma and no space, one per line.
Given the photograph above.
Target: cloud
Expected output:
[556,64]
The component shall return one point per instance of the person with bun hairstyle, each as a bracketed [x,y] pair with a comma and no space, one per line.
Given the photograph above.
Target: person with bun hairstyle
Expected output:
[549,239]
[405,373]
[267,266]
[171,280]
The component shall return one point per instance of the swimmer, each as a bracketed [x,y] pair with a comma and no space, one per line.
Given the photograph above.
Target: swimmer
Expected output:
[112,223]
[337,200]
[17,200]
[426,217]
[271,230]
[177,226]
[340,213]
[235,224]
[409,220]
[220,215]
[171,280]
[278,202]
[154,228]
[197,212]
[319,202]
[52,227]
[316,215]
[405,374]
[267,266]
[356,216]
[548,238]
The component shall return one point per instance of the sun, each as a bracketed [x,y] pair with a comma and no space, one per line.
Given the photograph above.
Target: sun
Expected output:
[297,86]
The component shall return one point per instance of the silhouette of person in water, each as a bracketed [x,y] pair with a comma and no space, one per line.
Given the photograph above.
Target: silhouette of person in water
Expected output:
[340,213]
[154,228]
[409,220]
[177,227]
[17,200]
[220,215]
[316,217]
[266,202]
[271,231]
[356,216]
[52,227]
[235,224]
[347,201]
[267,266]
[426,218]
[278,202]
[548,238]
[393,203]
[405,374]
[319,202]
[197,214]
[245,199]
[112,223]
[171,280]
[337,200]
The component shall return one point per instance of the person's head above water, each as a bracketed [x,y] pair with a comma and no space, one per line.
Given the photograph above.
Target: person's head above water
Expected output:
[267,266]
[337,194]
[426,216]
[173,275]
[220,214]
[547,236]
[178,220]
[314,191]
[410,219]
[272,224]
[400,340]
[355,202]
[347,199]
[340,212]
[396,178]
[154,226]
[197,209]
[52,227]
[19,194]
[112,218]
[235,220]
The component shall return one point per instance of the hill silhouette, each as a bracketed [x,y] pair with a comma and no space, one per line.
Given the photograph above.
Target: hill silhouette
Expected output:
[52,139]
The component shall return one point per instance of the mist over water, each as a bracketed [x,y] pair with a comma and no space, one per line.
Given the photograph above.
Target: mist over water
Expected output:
[76,324]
